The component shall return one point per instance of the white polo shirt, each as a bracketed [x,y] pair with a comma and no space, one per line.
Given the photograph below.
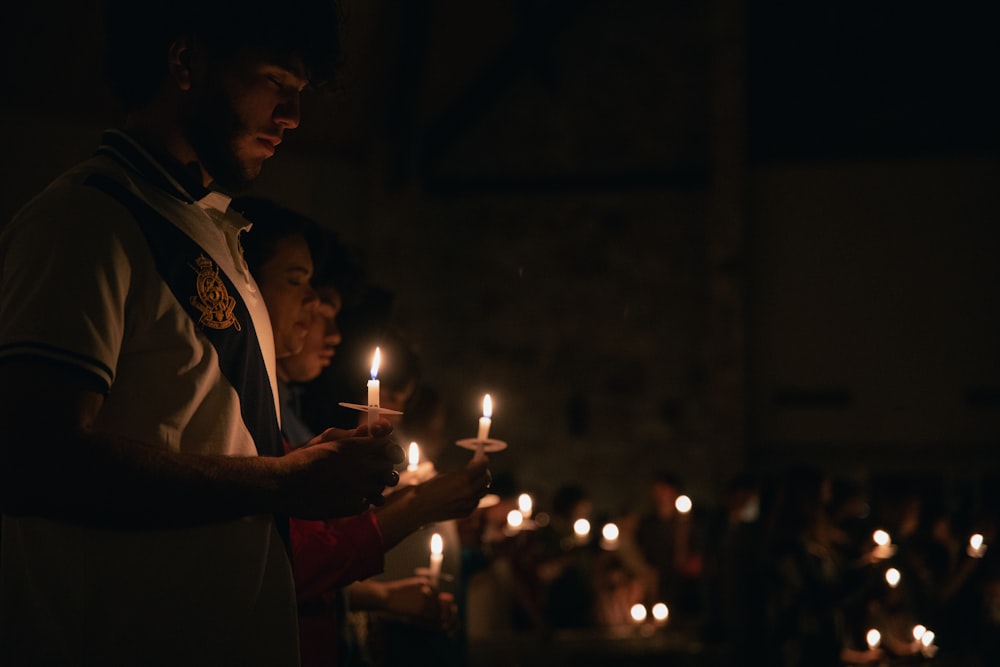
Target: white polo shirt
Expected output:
[79,285]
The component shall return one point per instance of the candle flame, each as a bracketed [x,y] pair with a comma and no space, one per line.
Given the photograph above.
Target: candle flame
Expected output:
[413,457]
[638,613]
[976,541]
[376,358]
[881,538]
[515,518]
[683,504]
[660,611]
[487,406]
[927,638]
[892,577]
[437,545]
[524,504]
[873,638]
[918,631]
[581,527]
[609,532]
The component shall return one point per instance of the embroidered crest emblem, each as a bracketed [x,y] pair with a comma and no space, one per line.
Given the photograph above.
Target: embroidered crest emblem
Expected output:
[213,300]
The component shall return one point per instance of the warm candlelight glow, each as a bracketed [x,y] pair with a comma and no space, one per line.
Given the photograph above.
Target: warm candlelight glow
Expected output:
[486,419]
[515,518]
[609,532]
[683,504]
[524,505]
[918,631]
[413,457]
[892,577]
[437,555]
[660,612]
[874,638]
[881,538]
[373,390]
[976,541]
[927,638]
[638,613]
[581,527]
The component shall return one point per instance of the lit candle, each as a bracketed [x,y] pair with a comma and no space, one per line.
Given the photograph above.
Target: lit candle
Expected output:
[413,457]
[892,577]
[660,613]
[581,528]
[927,647]
[524,505]
[486,419]
[514,520]
[638,612]
[683,504]
[373,397]
[918,631]
[883,544]
[609,537]
[874,638]
[437,555]
[977,549]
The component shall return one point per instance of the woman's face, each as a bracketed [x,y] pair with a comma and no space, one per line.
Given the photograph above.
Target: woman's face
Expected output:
[284,284]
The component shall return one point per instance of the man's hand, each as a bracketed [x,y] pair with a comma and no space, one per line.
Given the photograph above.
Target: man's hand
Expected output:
[340,472]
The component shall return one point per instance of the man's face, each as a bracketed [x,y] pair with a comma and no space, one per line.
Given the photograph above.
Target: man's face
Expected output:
[320,343]
[290,300]
[237,114]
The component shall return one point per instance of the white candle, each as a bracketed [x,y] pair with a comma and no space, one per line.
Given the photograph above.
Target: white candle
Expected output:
[413,457]
[485,420]
[977,547]
[581,528]
[638,612]
[609,536]
[524,505]
[437,555]
[373,397]
[874,638]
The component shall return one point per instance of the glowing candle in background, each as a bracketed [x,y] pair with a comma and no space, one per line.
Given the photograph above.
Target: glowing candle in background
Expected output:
[927,647]
[524,505]
[609,536]
[437,555]
[660,613]
[976,549]
[638,612]
[883,544]
[413,458]
[892,577]
[373,389]
[874,638]
[918,631]
[486,419]
[683,504]
[514,519]
[581,528]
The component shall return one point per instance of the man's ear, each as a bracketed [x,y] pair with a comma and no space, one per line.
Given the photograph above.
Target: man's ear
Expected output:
[179,59]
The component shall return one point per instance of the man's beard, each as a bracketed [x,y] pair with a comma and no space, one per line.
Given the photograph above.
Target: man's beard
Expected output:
[212,127]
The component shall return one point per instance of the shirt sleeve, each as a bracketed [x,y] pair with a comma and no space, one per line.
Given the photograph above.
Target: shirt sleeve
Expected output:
[332,554]
[65,272]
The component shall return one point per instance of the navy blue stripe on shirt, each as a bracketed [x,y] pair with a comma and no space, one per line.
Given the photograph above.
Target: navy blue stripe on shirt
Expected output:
[182,263]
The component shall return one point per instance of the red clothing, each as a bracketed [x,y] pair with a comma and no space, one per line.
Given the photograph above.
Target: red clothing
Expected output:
[327,555]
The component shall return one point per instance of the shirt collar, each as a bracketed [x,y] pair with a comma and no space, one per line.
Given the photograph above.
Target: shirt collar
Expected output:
[180,181]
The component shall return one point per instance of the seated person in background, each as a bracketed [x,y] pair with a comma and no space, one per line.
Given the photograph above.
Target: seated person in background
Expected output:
[327,555]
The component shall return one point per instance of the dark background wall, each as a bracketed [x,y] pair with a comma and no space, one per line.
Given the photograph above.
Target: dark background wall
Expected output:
[699,236]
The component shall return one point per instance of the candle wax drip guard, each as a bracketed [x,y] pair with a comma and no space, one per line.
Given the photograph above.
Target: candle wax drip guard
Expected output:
[489,444]
[365,408]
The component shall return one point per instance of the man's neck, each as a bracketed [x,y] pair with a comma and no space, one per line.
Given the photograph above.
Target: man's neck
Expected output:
[167,143]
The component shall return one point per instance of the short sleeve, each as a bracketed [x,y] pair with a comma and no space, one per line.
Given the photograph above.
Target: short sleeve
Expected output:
[65,271]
